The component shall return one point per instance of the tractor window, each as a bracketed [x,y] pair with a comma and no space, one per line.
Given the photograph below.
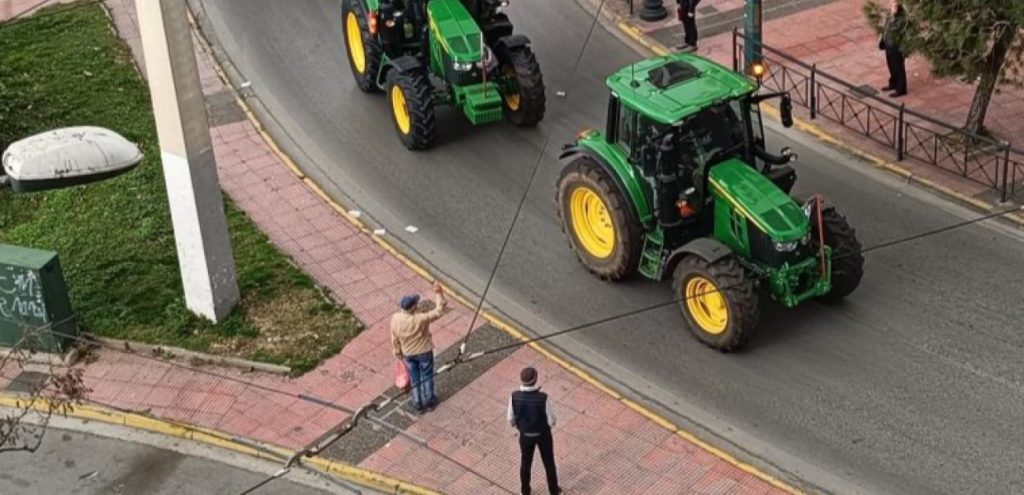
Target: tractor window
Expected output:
[627,128]
[717,132]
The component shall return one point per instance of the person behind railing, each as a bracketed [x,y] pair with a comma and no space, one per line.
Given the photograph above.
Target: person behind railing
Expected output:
[687,13]
[892,35]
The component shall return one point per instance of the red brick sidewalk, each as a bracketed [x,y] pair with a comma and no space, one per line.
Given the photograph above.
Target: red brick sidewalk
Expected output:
[604,445]
[837,38]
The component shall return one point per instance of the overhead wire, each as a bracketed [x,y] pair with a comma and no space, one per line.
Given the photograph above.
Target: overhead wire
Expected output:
[529,185]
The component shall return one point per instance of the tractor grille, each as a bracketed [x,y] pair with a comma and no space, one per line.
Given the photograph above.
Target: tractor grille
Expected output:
[762,249]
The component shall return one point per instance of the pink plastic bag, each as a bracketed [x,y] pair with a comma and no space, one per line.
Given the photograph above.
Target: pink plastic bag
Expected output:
[402,378]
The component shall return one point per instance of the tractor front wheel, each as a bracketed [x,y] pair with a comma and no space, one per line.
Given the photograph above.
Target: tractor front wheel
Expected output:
[364,52]
[598,220]
[847,260]
[412,108]
[523,88]
[720,303]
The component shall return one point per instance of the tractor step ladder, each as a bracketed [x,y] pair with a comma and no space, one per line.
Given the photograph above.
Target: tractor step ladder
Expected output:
[650,259]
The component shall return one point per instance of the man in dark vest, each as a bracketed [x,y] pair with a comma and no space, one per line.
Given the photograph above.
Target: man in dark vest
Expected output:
[531,413]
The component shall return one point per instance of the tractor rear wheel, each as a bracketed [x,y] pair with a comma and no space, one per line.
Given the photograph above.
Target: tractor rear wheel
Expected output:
[523,89]
[364,52]
[720,303]
[598,220]
[412,108]
[847,260]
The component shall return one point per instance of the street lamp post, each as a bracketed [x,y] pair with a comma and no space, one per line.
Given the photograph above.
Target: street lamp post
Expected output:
[752,52]
[653,10]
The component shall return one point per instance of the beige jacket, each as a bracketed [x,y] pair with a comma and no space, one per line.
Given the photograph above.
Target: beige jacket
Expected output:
[410,331]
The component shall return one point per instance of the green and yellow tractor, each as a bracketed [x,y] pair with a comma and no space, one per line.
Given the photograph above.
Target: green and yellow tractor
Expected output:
[423,53]
[680,182]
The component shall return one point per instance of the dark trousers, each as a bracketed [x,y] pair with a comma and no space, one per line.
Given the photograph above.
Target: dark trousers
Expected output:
[547,455]
[896,61]
[690,27]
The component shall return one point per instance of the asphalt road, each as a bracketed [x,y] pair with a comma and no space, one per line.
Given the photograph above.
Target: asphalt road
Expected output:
[76,462]
[915,385]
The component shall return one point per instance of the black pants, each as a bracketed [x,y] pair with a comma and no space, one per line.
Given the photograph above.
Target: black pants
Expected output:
[547,456]
[690,28]
[896,61]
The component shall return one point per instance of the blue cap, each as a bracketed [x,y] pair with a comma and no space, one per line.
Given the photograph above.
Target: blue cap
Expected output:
[409,302]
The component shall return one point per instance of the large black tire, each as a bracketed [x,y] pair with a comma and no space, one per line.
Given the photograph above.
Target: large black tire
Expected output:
[614,258]
[365,67]
[719,288]
[847,259]
[524,99]
[411,95]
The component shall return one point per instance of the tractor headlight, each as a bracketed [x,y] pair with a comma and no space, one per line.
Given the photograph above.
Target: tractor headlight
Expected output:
[462,67]
[785,247]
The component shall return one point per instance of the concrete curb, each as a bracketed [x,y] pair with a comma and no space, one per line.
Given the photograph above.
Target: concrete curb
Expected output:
[362,477]
[175,353]
[627,28]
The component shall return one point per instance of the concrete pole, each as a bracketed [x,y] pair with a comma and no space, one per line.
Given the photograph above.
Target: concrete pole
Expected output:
[190,172]
[752,34]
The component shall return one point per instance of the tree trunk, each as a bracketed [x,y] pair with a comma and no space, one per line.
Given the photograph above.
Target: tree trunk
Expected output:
[993,66]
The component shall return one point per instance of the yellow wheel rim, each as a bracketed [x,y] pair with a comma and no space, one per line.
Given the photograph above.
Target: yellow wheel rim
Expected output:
[707,305]
[355,42]
[400,110]
[592,223]
[512,99]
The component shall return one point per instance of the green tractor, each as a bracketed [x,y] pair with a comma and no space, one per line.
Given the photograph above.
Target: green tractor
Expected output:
[424,53]
[680,182]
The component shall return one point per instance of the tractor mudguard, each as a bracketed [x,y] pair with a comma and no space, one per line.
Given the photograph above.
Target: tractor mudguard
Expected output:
[511,42]
[401,64]
[497,28]
[708,249]
[637,203]
[404,63]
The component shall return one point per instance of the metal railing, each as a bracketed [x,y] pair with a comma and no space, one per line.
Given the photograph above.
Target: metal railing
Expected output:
[980,159]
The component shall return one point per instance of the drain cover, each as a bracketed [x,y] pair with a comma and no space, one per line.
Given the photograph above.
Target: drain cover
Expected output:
[28,382]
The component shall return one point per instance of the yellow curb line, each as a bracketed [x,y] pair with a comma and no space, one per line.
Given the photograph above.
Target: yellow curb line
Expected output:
[214,438]
[493,319]
[636,35]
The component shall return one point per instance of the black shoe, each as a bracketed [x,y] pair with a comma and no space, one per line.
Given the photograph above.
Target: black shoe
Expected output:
[887,88]
[897,94]
[684,48]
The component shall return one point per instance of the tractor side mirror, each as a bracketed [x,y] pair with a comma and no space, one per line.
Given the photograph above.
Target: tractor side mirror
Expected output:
[786,111]
[789,153]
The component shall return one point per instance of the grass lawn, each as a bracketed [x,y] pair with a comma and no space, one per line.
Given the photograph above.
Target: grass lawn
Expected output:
[115,240]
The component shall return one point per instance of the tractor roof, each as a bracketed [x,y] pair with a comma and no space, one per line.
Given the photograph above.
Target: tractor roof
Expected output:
[672,87]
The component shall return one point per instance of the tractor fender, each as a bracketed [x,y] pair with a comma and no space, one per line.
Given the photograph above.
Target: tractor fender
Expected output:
[708,249]
[496,28]
[404,63]
[401,64]
[511,42]
[572,150]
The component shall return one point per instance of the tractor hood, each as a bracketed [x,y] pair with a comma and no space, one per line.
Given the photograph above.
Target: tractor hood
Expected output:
[454,28]
[760,200]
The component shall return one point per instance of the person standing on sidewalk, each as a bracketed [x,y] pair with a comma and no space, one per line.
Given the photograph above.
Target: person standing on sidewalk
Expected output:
[687,13]
[530,413]
[412,343]
[892,33]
